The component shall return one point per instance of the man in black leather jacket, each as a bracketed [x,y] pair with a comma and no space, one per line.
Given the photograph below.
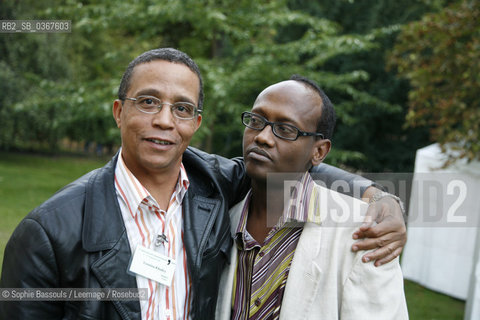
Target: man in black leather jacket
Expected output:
[78,239]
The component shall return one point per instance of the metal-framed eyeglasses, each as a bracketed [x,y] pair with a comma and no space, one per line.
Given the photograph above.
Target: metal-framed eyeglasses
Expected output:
[282,130]
[153,105]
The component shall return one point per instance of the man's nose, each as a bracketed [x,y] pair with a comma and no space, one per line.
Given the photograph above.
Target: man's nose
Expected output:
[265,136]
[164,118]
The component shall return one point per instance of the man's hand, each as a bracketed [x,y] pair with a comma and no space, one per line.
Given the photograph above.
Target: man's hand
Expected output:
[384,229]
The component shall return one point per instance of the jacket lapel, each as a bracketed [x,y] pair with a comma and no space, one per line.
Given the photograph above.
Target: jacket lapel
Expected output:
[198,226]
[235,215]
[224,303]
[111,271]
[104,233]
[304,276]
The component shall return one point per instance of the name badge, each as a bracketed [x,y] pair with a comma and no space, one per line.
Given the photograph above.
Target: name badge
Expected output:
[153,265]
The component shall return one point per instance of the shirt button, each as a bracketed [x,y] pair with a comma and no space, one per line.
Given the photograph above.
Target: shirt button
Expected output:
[258,302]
[261,254]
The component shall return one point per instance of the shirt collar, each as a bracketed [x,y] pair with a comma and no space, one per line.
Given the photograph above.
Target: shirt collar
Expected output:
[134,193]
[242,237]
[300,203]
[182,184]
[297,209]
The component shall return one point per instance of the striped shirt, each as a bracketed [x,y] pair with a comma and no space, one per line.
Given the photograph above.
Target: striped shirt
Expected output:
[262,271]
[144,221]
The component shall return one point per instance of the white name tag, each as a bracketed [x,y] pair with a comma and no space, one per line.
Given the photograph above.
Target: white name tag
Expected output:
[153,265]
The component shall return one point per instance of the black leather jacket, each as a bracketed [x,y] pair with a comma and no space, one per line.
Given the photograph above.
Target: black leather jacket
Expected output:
[77,239]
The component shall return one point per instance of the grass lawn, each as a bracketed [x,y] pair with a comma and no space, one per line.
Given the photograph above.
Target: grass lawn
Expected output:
[424,304]
[27,180]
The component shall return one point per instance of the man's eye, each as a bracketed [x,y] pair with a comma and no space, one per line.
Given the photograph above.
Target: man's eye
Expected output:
[182,108]
[255,122]
[185,108]
[147,101]
[285,129]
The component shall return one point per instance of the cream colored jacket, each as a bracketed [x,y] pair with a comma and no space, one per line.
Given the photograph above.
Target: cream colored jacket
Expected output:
[327,280]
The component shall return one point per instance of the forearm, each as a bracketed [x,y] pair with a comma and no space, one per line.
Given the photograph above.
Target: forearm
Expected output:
[388,236]
[341,180]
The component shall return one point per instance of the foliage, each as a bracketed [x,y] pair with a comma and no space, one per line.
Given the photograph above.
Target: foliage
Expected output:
[377,134]
[27,61]
[440,55]
[53,89]
[66,89]
[238,45]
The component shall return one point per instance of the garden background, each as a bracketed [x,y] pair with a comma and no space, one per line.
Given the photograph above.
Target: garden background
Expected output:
[401,74]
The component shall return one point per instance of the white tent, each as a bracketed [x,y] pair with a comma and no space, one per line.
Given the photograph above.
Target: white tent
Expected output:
[443,244]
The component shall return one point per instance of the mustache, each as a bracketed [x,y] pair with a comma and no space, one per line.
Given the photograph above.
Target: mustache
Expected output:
[259,151]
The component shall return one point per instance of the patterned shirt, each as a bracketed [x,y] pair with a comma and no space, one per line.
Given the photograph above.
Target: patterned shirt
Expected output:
[262,271]
[144,221]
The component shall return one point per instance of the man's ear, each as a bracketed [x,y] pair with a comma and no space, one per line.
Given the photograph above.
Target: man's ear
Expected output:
[321,148]
[199,121]
[117,111]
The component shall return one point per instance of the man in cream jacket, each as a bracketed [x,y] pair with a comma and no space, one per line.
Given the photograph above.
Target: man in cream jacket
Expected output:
[298,264]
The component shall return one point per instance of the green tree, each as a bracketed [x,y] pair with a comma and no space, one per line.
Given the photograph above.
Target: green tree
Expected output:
[241,47]
[29,62]
[238,45]
[440,57]
[59,85]
[377,134]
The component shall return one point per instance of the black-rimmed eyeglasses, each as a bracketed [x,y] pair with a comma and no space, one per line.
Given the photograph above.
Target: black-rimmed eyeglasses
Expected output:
[282,130]
[152,105]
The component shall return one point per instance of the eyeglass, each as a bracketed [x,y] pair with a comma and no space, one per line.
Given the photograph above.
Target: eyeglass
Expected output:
[152,105]
[281,130]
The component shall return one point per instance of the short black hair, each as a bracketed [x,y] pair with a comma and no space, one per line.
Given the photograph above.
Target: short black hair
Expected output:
[167,54]
[327,120]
